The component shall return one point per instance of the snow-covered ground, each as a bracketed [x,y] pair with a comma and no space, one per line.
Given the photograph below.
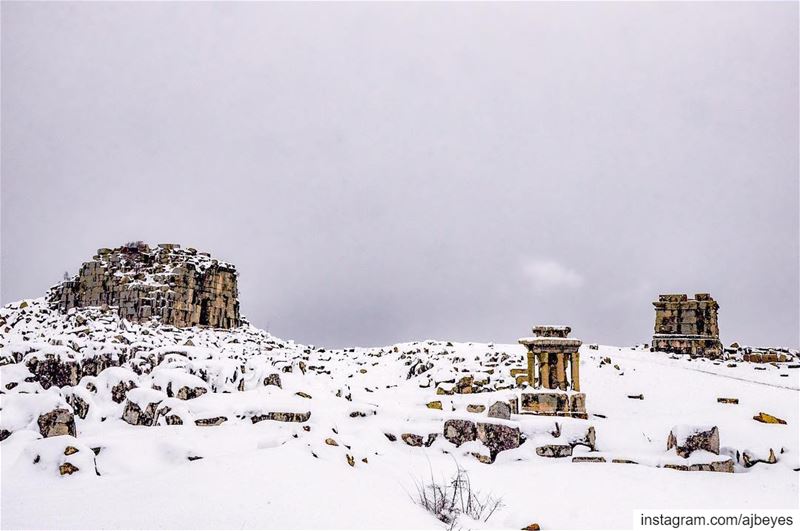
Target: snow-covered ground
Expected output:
[254,473]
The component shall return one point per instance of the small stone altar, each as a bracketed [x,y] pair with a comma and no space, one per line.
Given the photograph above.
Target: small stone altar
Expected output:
[687,326]
[553,373]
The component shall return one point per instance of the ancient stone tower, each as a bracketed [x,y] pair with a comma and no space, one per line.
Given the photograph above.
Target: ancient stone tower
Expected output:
[181,287]
[687,326]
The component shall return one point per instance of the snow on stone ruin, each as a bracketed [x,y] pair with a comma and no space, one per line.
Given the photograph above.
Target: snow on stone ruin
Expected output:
[138,384]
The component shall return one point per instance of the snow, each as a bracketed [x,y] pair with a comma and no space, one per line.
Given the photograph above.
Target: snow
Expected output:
[273,474]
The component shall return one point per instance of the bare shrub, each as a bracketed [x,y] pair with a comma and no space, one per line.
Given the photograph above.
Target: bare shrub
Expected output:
[447,500]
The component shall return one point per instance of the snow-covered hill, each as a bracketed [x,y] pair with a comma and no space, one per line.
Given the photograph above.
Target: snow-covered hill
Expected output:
[205,428]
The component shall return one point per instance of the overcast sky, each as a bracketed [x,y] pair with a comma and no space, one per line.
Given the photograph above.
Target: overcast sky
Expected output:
[388,172]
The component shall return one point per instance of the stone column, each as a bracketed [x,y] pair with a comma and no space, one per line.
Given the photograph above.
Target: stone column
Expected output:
[544,369]
[531,368]
[574,363]
[561,373]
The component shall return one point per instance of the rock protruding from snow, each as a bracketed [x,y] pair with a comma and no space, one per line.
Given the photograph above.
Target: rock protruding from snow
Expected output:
[57,422]
[687,439]
[459,431]
[181,287]
[554,450]
[500,410]
[498,437]
[140,408]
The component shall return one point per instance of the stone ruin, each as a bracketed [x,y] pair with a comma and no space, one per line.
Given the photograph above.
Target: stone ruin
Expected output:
[687,326]
[180,287]
[553,365]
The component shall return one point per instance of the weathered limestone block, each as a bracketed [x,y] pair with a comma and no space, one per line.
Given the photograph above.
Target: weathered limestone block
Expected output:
[588,459]
[57,422]
[282,417]
[500,410]
[498,437]
[714,466]
[459,431]
[766,418]
[687,439]
[188,393]
[273,379]
[554,450]
[137,416]
[79,406]
[412,439]
[212,421]
[54,371]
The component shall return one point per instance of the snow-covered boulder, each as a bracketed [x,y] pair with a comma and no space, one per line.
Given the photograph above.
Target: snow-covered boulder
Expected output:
[57,422]
[62,456]
[141,406]
[45,413]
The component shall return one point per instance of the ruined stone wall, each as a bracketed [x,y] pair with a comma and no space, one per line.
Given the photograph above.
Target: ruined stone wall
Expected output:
[181,287]
[687,326]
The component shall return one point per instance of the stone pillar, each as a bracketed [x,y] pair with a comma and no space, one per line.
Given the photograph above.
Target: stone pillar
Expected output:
[544,369]
[574,363]
[561,373]
[531,369]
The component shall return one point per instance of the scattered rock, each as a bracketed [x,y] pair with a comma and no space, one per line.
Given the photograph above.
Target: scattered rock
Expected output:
[301,394]
[437,404]
[554,450]
[588,459]
[212,421]
[282,417]
[476,408]
[459,431]
[636,397]
[67,469]
[728,400]
[69,450]
[716,466]
[412,439]
[749,459]
[498,437]
[686,439]
[273,379]
[500,410]
[79,406]
[587,439]
[486,459]
[57,422]
[768,419]
[331,442]
[136,416]
[188,393]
